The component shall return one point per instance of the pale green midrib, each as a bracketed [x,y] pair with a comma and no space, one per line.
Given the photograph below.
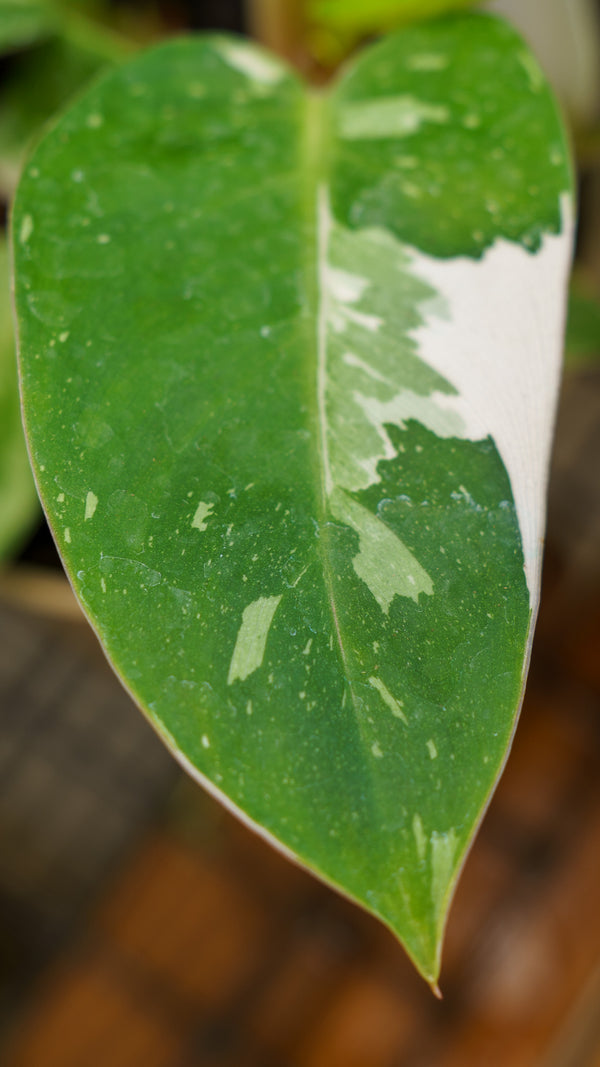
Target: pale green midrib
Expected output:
[314,160]
[315,165]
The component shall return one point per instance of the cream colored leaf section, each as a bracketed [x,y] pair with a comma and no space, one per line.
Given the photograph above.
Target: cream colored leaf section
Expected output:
[406,336]
[388,116]
[369,375]
[91,503]
[383,562]
[420,839]
[251,640]
[202,513]
[504,356]
[443,851]
[257,65]
[388,698]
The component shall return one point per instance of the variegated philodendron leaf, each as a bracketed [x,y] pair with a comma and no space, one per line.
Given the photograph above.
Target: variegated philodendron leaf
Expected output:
[289,363]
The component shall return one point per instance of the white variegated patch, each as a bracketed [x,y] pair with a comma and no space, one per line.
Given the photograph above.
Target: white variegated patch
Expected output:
[387,116]
[501,347]
[257,65]
[481,360]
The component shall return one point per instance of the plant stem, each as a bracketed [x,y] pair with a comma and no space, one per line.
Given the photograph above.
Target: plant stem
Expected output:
[280,26]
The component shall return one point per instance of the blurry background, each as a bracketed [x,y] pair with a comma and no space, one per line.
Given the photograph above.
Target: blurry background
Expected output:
[140,925]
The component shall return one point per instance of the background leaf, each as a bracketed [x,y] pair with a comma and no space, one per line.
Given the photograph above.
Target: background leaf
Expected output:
[41,79]
[337,26]
[18,497]
[40,82]
[22,22]
[352,14]
[582,343]
[283,502]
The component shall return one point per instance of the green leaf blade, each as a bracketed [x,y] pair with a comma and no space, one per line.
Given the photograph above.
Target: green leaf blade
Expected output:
[449,144]
[292,530]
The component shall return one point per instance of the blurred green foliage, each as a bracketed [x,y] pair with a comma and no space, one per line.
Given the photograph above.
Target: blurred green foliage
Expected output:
[337,26]
[18,498]
[582,343]
[69,48]
[22,22]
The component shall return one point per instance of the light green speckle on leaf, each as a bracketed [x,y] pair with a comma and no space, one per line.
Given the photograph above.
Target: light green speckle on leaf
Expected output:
[427,61]
[443,852]
[385,565]
[257,65]
[91,503]
[252,638]
[394,705]
[203,511]
[26,229]
[388,117]
[420,838]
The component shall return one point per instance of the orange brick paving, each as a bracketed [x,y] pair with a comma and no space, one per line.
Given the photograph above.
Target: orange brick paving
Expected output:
[366,1023]
[173,906]
[93,1014]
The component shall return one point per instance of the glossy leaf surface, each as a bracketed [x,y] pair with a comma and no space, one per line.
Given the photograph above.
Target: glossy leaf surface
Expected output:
[18,498]
[289,363]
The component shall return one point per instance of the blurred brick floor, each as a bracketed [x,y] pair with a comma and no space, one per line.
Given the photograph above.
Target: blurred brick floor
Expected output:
[201,946]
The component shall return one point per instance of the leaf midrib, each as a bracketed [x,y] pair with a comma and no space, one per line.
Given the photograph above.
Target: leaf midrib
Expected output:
[315,162]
